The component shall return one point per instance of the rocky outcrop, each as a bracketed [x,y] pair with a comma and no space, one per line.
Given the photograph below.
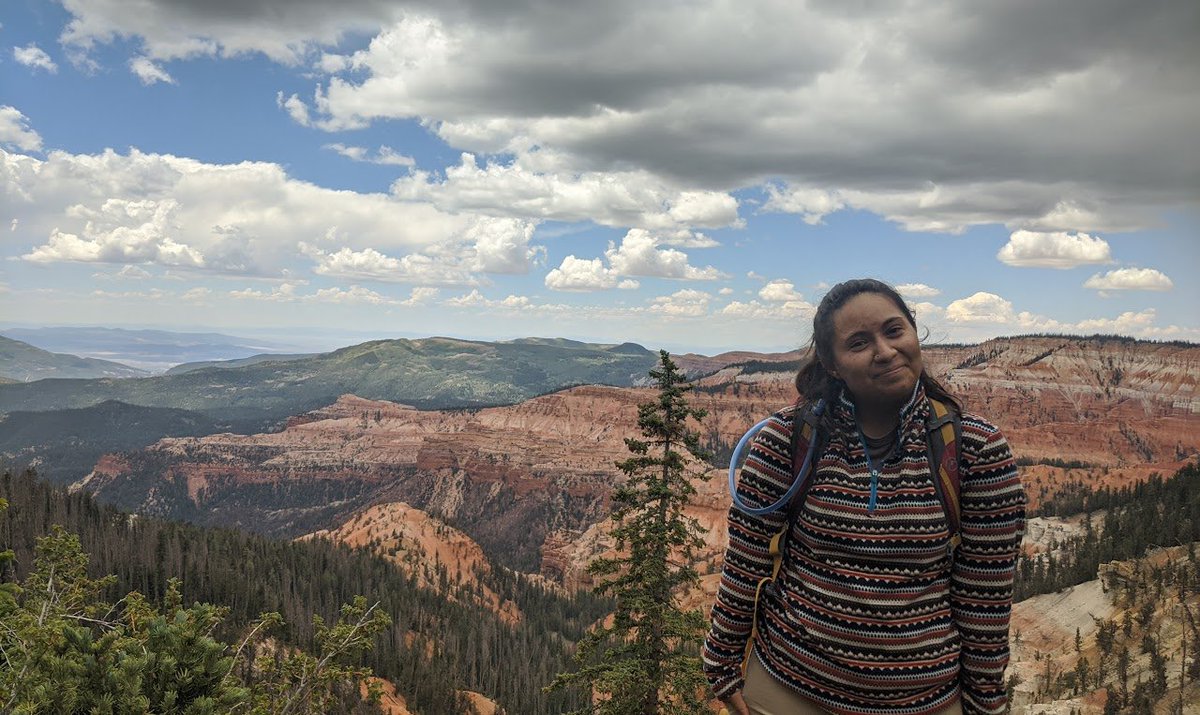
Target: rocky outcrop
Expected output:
[439,556]
[1045,664]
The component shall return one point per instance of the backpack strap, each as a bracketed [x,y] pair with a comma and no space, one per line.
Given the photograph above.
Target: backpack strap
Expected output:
[804,424]
[944,437]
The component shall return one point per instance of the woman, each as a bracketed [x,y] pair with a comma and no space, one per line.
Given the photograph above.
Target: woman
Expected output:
[872,611]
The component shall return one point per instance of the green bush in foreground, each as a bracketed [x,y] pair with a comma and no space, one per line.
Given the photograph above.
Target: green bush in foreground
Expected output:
[64,650]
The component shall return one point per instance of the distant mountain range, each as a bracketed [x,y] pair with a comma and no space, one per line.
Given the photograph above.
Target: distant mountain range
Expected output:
[258,394]
[242,362]
[427,373]
[150,350]
[22,362]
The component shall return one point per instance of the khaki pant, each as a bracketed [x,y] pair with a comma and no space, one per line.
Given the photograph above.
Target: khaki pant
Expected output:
[767,696]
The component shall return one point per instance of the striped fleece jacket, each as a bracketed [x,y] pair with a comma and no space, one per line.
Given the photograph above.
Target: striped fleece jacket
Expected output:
[870,613]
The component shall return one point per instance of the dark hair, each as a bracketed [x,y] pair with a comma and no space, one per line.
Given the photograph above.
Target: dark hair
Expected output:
[814,381]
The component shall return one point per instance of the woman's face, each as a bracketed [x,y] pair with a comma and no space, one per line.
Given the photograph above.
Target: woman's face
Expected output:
[875,351]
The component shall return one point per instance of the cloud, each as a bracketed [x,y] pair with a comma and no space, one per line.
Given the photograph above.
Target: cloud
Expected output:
[384,155]
[121,231]
[148,72]
[475,299]
[35,57]
[927,312]
[295,107]
[502,245]
[370,264]
[154,294]
[1053,250]
[989,309]
[1130,279]
[533,187]
[287,293]
[239,219]
[639,255]
[916,290]
[811,203]
[196,295]
[687,303]
[779,291]
[779,300]
[918,112]
[684,238]
[421,295]
[352,295]
[127,272]
[283,293]
[580,275]
[981,307]
[787,312]
[15,131]
[285,32]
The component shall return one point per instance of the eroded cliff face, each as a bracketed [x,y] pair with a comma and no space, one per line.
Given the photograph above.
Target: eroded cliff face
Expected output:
[530,482]
[1133,600]
[439,556]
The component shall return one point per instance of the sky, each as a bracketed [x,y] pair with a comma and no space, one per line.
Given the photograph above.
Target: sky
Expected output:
[691,175]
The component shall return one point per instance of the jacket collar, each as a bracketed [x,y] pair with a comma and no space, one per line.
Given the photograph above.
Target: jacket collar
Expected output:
[913,414]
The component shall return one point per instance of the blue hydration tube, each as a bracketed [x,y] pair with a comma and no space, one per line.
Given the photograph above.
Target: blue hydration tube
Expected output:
[796,483]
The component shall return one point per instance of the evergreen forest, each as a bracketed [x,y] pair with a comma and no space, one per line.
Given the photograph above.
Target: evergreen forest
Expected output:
[436,645]
[1157,512]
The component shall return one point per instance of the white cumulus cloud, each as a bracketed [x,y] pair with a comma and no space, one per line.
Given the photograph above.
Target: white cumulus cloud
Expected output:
[917,290]
[353,294]
[421,295]
[812,204]
[242,219]
[1130,279]
[687,303]
[780,291]
[475,299]
[370,264]
[502,245]
[981,307]
[639,255]
[122,231]
[581,274]
[1053,250]
[624,198]
[15,130]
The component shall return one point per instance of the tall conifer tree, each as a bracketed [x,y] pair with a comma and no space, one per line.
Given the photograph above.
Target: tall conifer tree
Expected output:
[646,660]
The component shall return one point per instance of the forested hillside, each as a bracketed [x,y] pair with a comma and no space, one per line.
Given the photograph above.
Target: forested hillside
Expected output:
[1129,521]
[436,646]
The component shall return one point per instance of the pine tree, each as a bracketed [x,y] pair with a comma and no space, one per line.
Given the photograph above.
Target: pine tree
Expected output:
[647,660]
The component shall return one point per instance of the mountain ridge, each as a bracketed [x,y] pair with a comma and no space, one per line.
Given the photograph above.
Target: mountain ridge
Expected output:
[24,363]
